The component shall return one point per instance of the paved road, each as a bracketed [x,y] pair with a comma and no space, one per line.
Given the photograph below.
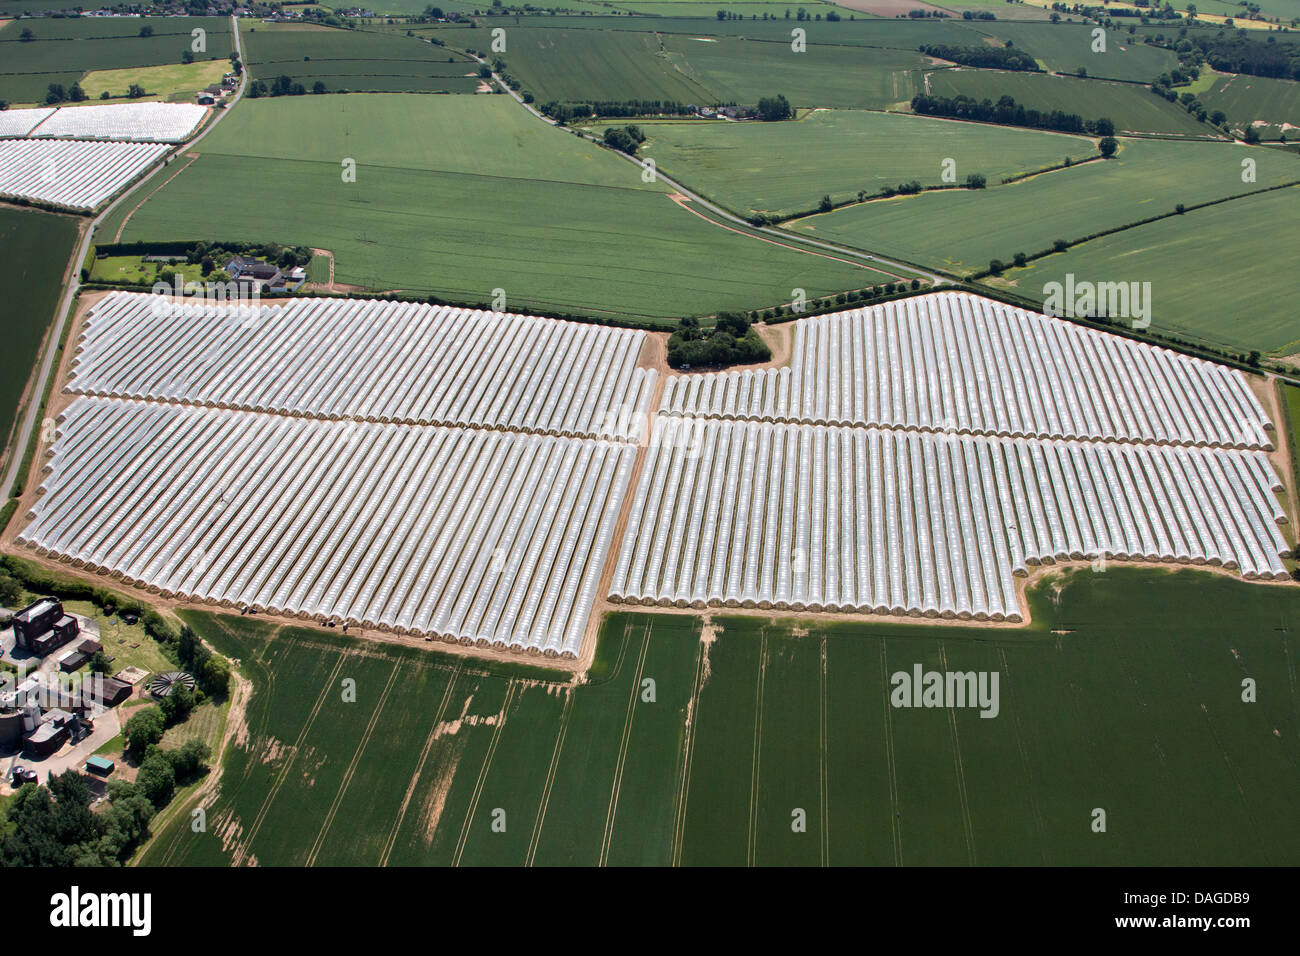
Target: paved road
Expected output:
[787,237]
[23,436]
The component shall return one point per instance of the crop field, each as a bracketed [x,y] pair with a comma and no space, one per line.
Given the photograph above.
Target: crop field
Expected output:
[1290,395]
[509,203]
[346,60]
[1132,108]
[615,64]
[743,71]
[751,720]
[787,167]
[65,49]
[35,247]
[1067,48]
[1248,308]
[573,65]
[902,34]
[962,230]
[1272,106]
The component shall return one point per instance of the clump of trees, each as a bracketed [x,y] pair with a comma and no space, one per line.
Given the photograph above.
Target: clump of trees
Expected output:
[625,139]
[54,825]
[56,93]
[281,86]
[990,57]
[774,108]
[731,341]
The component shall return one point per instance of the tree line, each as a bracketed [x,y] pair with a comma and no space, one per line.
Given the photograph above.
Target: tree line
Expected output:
[1007,112]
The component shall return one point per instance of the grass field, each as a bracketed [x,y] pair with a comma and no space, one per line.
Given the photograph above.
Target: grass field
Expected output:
[1124,695]
[352,60]
[1132,108]
[1243,303]
[35,247]
[1268,104]
[962,230]
[505,203]
[788,167]
[133,269]
[177,81]
[64,50]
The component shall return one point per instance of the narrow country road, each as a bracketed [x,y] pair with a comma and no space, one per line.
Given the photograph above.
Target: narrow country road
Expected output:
[23,435]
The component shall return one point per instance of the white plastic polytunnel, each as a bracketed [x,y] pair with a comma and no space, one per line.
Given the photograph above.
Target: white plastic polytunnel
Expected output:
[493,537]
[955,362]
[131,122]
[810,517]
[371,361]
[22,122]
[74,175]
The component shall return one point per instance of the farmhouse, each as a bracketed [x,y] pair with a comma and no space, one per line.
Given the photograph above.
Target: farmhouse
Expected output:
[246,268]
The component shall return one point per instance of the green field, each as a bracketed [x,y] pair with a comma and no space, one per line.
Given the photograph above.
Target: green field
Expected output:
[506,202]
[1290,395]
[1132,108]
[893,34]
[1269,105]
[848,77]
[569,65]
[579,63]
[65,49]
[788,167]
[1243,302]
[1125,694]
[962,230]
[35,247]
[351,60]
[1067,47]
